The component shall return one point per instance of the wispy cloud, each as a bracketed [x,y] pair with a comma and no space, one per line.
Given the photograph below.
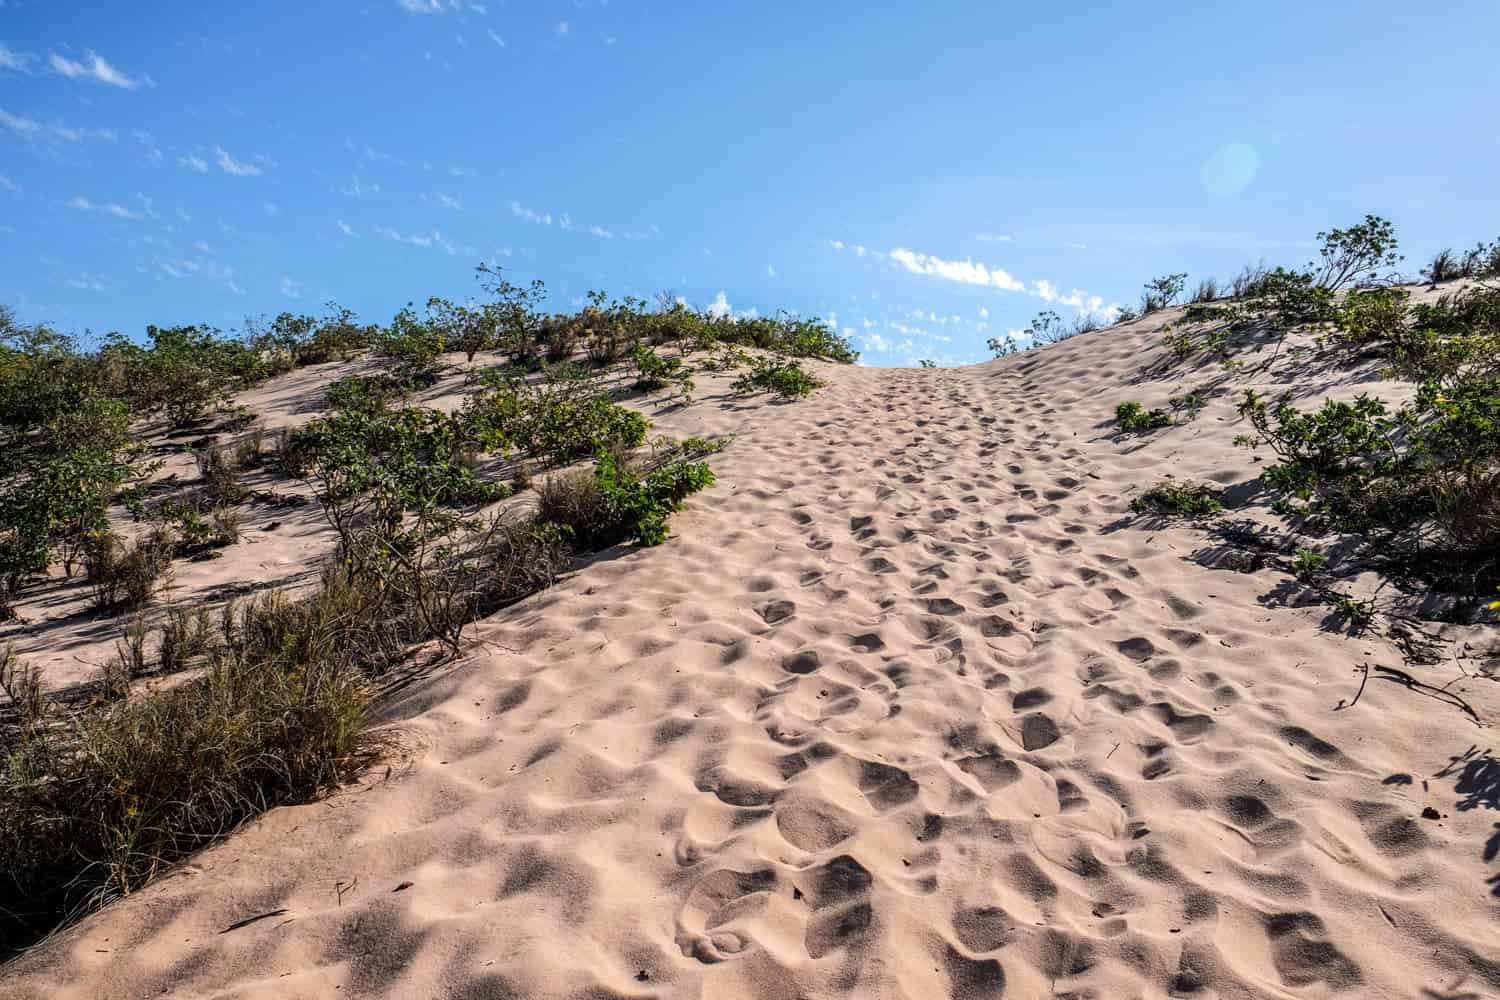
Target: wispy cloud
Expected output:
[347,229]
[433,240]
[119,211]
[601,232]
[19,123]
[195,163]
[15,62]
[770,271]
[94,67]
[439,6]
[290,287]
[87,282]
[9,185]
[495,37]
[994,238]
[358,189]
[562,29]
[447,201]
[234,167]
[520,211]
[965,271]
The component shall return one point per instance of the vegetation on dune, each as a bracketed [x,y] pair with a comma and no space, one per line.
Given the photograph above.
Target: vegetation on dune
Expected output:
[1180,499]
[102,787]
[1417,483]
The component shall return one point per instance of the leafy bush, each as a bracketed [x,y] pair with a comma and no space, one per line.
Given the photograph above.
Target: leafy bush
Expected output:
[465,328]
[1162,292]
[1133,418]
[1355,255]
[656,372]
[555,420]
[1003,347]
[619,502]
[370,394]
[926,363]
[783,376]
[414,345]
[1180,499]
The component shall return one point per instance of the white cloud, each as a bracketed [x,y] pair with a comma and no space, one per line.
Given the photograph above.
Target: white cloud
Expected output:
[719,307]
[456,171]
[836,244]
[234,167]
[236,289]
[9,185]
[17,62]
[290,288]
[1078,246]
[1043,290]
[562,29]
[272,208]
[202,247]
[984,312]
[93,67]
[965,271]
[494,37]
[119,211]
[347,229]
[994,238]
[770,271]
[421,6]
[87,282]
[358,189]
[18,123]
[194,163]
[601,232]
[449,202]
[432,240]
[522,212]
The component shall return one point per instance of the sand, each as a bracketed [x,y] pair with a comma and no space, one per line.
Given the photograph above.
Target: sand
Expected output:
[909,706]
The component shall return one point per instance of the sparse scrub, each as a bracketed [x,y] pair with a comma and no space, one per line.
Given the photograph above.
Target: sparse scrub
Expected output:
[1180,499]
[618,501]
[1162,292]
[655,372]
[783,376]
[1133,418]
[1207,291]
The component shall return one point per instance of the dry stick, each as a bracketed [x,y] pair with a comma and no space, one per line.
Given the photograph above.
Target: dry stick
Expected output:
[1362,680]
[1441,694]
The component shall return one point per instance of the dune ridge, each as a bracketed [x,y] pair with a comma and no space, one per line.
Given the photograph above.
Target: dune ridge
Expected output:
[910,706]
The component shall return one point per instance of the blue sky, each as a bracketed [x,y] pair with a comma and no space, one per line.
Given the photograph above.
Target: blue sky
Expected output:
[926,176]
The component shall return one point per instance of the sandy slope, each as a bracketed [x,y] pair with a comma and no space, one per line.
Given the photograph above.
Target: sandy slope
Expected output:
[908,707]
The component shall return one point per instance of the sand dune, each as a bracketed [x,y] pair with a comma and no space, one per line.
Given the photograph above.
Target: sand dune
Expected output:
[909,706]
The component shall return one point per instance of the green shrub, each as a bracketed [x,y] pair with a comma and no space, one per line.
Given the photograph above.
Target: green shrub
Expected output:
[1003,347]
[619,502]
[1355,255]
[655,372]
[465,328]
[414,345]
[1308,563]
[555,420]
[783,376]
[1179,499]
[1162,292]
[1133,418]
[370,394]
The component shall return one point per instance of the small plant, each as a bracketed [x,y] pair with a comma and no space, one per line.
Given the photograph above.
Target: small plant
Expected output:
[619,502]
[655,372]
[1162,292]
[1179,499]
[1133,418]
[1126,315]
[369,394]
[1354,613]
[1189,404]
[1357,254]
[1207,291]
[1003,347]
[783,376]
[926,363]
[1308,563]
